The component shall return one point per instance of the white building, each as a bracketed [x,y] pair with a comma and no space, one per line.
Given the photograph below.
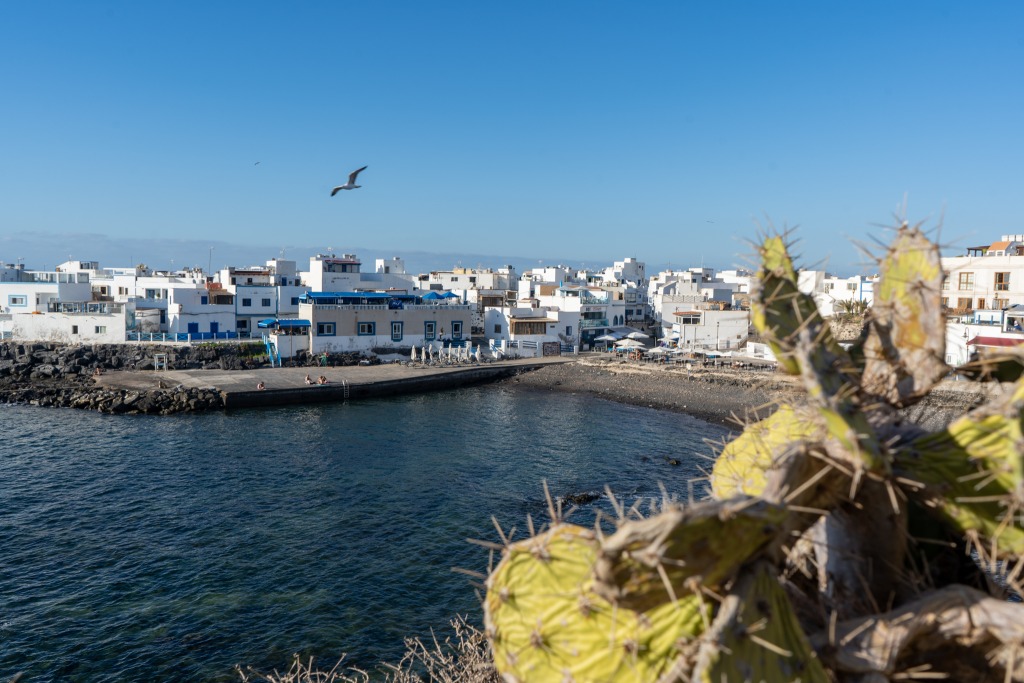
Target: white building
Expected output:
[987,277]
[262,292]
[366,321]
[829,290]
[75,323]
[329,273]
[721,330]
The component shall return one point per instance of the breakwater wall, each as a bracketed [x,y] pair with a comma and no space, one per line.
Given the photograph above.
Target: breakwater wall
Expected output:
[342,391]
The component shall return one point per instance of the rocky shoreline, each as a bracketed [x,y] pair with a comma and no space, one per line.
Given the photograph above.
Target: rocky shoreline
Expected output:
[61,375]
[719,395]
[58,375]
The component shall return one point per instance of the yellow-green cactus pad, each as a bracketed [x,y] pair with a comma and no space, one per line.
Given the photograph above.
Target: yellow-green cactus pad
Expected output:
[906,341]
[545,622]
[973,473]
[852,440]
[757,638]
[742,465]
[703,544]
[791,323]
[780,311]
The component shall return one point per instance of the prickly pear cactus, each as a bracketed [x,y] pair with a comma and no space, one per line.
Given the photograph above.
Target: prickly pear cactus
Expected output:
[546,623]
[838,545]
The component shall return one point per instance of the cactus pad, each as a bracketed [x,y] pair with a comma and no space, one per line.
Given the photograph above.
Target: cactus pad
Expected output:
[545,622]
[906,340]
[742,464]
[703,543]
[757,637]
[973,472]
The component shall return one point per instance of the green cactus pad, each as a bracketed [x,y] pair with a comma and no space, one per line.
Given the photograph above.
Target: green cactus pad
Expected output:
[743,463]
[545,623]
[906,340]
[790,322]
[973,472]
[704,543]
[757,638]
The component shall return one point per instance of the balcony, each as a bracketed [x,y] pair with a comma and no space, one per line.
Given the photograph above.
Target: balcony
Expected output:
[587,323]
[84,308]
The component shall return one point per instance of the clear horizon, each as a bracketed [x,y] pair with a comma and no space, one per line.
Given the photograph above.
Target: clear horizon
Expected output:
[581,131]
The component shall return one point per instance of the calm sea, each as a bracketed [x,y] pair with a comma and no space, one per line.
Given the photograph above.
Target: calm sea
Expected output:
[172,548]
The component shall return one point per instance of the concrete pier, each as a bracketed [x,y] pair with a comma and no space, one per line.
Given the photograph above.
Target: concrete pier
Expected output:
[287,386]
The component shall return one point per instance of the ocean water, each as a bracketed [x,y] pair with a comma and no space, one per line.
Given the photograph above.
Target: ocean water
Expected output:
[173,548]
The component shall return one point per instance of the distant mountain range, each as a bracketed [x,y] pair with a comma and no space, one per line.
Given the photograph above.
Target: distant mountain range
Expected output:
[45,251]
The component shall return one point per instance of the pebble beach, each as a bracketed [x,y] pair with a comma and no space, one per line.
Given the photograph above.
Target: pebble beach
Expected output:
[721,395]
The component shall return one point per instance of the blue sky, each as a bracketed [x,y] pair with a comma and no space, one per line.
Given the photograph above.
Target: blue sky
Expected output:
[543,131]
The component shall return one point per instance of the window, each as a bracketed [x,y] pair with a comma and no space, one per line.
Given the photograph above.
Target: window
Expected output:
[497,329]
[204,300]
[248,280]
[74,329]
[457,329]
[568,330]
[295,301]
[17,300]
[689,319]
[246,303]
[945,282]
[966,281]
[1000,303]
[945,302]
[963,304]
[325,329]
[396,331]
[1002,282]
[366,329]
[981,303]
[429,330]
[266,303]
[242,324]
[101,329]
[123,291]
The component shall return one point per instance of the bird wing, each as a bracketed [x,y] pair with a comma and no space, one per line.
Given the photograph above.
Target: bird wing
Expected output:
[353,174]
[335,190]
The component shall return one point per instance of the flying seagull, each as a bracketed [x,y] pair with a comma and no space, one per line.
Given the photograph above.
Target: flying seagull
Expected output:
[351,184]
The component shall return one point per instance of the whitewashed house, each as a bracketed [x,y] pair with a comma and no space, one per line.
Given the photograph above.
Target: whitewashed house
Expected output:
[710,328]
[329,273]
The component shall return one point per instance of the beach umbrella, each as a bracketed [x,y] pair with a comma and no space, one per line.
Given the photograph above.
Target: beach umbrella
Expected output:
[628,344]
[657,351]
[606,338]
[637,335]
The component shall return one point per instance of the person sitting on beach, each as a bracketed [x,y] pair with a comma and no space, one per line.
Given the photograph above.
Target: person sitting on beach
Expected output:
[309,380]
[97,372]
[321,380]
[261,386]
